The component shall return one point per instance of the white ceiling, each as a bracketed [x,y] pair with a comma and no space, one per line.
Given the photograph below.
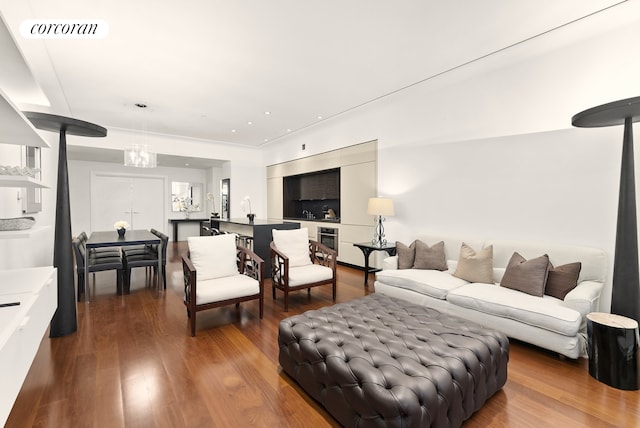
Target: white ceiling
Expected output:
[208,67]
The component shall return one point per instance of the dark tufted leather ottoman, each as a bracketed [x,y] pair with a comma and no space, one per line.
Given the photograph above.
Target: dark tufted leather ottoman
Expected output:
[384,362]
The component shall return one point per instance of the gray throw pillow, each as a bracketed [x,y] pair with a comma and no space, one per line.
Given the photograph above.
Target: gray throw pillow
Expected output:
[475,267]
[562,279]
[430,257]
[406,255]
[528,276]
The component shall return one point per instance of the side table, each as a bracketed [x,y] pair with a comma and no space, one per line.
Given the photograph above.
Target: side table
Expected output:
[367,248]
[613,349]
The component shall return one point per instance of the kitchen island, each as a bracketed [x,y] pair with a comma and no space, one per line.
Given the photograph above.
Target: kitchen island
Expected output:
[258,230]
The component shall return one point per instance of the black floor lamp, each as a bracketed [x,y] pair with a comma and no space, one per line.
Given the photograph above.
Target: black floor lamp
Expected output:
[625,297]
[64,321]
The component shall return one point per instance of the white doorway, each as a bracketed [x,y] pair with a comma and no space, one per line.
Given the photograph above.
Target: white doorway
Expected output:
[140,200]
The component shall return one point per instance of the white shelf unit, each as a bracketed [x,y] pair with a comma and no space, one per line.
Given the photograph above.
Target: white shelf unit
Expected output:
[19,234]
[21,181]
[22,326]
[16,128]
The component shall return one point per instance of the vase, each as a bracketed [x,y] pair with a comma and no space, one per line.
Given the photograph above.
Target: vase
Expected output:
[121,232]
[251,217]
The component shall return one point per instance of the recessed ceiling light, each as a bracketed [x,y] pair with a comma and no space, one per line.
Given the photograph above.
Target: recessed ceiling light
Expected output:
[186,164]
[249,123]
[266,139]
[267,113]
[319,117]
[288,130]
[233,130]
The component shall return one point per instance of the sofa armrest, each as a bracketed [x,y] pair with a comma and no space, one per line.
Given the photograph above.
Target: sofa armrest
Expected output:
[390,263]
[585,297]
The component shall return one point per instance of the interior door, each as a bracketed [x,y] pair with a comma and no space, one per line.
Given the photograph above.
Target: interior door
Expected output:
[136,199]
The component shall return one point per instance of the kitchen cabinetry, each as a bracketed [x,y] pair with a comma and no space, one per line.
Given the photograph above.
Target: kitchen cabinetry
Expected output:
[33,292]
[354,181]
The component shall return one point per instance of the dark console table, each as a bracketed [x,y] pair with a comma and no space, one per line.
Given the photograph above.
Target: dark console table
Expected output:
[176,221]
[367,248]
[259,231]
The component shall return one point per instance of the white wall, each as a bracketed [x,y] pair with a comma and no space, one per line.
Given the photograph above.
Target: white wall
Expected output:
[80,176]
[488,150]
[244,165]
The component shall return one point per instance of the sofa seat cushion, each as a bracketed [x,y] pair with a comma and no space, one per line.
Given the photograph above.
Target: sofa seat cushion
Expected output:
[544,312]
[433,283]
[305,275]
[225,288]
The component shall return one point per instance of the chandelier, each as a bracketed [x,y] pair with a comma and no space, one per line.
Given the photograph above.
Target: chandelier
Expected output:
[138,155]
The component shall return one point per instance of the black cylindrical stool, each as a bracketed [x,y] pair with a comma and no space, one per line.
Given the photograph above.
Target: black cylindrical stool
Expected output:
[613,349]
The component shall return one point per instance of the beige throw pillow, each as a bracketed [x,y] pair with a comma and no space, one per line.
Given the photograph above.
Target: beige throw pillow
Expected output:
[528,276]
[475,267]
[429,257]
[406,255]
[562,279]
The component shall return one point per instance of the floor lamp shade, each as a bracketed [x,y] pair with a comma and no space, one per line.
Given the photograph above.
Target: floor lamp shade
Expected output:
[380,207]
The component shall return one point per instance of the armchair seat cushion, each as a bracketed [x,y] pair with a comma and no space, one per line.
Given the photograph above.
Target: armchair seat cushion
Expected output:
[305,275]
[225,288]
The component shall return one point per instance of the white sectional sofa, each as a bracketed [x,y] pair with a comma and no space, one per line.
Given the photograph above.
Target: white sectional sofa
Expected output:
[548,322]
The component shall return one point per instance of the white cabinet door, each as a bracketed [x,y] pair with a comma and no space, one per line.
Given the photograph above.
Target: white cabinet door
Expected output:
[274,198]
[137,200]
[357,184]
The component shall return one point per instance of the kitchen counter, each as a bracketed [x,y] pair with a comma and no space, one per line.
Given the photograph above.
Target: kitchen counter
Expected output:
[319,220]
[260,232]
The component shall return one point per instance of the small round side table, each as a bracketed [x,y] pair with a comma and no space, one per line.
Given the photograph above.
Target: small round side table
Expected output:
[613,349]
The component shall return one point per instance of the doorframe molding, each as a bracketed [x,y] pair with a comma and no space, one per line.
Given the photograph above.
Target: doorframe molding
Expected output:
[165,180]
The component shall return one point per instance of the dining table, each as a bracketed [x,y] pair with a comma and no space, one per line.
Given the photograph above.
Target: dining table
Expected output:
[111,238]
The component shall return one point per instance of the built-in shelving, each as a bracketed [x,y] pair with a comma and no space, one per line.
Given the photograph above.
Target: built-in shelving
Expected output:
[16,128]
[18,234]
[21,181]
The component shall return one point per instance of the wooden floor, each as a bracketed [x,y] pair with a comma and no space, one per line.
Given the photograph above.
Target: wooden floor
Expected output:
[133,363]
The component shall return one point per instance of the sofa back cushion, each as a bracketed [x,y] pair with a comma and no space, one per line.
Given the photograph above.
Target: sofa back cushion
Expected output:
[528,276]
[475,266]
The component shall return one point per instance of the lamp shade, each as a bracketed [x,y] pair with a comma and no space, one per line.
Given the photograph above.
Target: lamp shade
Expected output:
[380,206]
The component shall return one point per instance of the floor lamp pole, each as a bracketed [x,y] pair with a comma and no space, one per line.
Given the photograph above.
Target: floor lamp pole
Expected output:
[626,289]
[625,294]
[64,320]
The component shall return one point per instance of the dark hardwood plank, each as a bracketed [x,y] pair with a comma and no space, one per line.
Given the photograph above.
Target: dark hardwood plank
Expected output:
[133,363]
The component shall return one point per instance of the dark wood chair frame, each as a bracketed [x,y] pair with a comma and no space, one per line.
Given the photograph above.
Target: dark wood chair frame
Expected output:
[249,263]
[318,254]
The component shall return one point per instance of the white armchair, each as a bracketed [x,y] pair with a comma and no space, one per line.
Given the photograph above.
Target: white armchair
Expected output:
[219,273]
[298,263]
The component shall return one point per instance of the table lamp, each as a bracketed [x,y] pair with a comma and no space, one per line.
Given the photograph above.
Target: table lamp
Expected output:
[380,207]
